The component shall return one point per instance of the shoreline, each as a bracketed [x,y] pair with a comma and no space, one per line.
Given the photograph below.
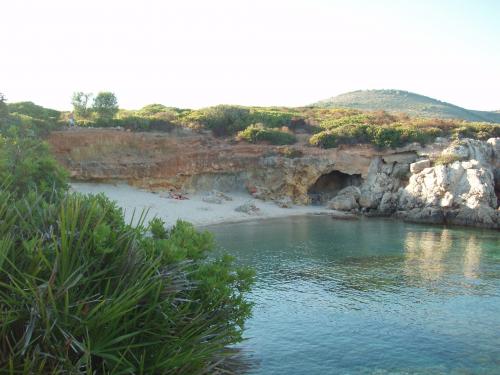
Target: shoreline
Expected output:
[195,209]
[204,215]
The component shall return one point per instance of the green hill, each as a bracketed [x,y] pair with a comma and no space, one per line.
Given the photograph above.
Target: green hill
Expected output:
[406,102]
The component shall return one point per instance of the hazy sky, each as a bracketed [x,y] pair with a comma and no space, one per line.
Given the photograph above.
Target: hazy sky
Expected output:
[190,53]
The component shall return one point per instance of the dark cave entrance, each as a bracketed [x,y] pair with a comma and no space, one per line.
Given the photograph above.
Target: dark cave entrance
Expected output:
[328,185]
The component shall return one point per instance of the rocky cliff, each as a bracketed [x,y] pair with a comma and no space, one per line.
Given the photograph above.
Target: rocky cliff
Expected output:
[443,183]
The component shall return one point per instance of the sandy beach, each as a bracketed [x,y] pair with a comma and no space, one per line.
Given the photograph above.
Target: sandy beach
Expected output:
[195,208]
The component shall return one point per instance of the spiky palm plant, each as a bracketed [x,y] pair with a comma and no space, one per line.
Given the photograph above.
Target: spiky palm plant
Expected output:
[81,291]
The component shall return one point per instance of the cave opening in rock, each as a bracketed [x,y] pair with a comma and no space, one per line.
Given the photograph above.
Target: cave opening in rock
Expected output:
[328,185]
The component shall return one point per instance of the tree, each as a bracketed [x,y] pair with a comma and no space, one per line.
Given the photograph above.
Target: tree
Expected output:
[81,105]
[4,110]
[105,105]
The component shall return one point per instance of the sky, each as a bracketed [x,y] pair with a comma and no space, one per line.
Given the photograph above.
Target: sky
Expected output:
[193,54]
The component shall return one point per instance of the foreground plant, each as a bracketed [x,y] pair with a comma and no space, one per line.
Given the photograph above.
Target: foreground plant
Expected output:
[83,292]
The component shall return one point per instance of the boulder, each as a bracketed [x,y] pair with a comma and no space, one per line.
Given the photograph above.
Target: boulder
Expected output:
[346,199]
[343,203]
[249,208]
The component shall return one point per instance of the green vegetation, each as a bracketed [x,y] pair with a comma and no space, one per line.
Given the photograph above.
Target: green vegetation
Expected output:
[82,291]
[35,111]
[26,165]
[398,101]
[81,104]
[105,105]
[384,130]
[226,120]
[328,127]
[257,133]
[26,119]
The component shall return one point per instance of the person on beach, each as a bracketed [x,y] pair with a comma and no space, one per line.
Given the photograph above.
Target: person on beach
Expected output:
[71,120]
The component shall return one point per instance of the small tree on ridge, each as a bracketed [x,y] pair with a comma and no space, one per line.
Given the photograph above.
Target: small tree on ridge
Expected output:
[105,105]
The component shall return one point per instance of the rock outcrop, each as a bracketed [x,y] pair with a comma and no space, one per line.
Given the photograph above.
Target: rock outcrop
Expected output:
[443,182]
[459,192]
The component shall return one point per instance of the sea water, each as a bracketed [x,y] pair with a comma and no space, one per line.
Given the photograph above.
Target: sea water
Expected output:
[369,296]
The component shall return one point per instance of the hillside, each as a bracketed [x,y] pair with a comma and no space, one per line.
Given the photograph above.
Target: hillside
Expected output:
[405,102]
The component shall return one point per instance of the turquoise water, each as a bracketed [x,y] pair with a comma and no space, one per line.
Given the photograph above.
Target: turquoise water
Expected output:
[369,296]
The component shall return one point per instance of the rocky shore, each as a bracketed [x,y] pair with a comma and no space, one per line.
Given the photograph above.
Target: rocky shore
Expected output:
[447,182]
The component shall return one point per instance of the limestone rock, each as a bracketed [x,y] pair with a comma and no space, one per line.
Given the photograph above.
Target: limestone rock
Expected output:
[462,192]
[389,203]
[419,166]
[346,199]
[471,149]
[377,183]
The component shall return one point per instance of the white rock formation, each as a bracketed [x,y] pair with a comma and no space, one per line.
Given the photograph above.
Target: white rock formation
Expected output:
[462,192]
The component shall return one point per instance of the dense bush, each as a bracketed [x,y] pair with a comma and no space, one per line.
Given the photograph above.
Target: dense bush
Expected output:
[26,165]
[271,118]
[26,119]
[82,292]
[222,120]
[258,133]
[35,111]
[385,130]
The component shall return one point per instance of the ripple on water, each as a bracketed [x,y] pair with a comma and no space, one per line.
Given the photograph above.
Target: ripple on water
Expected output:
[369,296]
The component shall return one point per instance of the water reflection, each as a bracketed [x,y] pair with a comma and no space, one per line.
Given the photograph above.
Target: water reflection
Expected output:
[345,297]
[425,253]
[472,257]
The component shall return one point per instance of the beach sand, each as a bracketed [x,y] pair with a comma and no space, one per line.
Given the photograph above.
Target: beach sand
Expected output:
[194,209]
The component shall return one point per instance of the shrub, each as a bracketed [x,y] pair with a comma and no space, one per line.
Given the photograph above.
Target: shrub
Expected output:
[258,133]
[358,119]
[222,120]
[82,292]
[393,135]
[35,111]
[271,118]
[152,109]
[27,165]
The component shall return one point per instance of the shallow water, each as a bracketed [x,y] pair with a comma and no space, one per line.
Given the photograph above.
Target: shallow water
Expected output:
[369,296]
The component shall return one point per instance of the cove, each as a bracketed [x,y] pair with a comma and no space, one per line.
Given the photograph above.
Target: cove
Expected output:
[369,296]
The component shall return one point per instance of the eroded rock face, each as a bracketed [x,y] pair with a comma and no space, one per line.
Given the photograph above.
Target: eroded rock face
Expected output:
[464,191]
[402,182]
